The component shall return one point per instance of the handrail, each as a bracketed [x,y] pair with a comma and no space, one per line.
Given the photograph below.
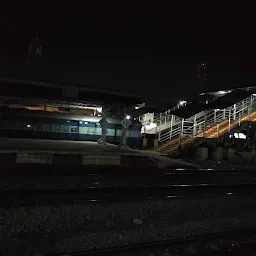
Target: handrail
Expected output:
[212,123]
[215,122]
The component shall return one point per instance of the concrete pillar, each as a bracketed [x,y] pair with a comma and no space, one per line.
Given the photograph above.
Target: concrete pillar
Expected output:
[248,156]
[144,142]
[229,116]
[124,129]
[103,123]
[172,119]
[159,127]
[217,154]
[234,112]
[232,157]
[155,143]
[202,153]
[181,130]
[194,126]
[225,153]
[124,136]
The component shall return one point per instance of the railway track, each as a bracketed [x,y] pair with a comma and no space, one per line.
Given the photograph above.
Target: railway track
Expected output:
[55,177]
[21,197]
[233,242]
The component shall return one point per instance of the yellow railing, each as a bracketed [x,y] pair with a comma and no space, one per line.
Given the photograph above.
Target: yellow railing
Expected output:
[211,132]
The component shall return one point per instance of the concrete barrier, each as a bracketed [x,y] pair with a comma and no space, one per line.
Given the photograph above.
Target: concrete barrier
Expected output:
[131,161]
[67,159]
[127,159]
[101,160]
[37,158]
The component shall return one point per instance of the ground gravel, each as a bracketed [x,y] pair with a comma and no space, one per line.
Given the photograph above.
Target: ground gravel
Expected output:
[42,230]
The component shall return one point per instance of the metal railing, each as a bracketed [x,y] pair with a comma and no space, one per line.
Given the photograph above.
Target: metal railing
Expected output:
[210,123]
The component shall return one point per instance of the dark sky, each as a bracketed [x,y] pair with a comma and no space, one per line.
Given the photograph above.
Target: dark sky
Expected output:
[151,51]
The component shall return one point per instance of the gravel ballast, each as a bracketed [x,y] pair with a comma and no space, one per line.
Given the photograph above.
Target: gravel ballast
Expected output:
[30,230]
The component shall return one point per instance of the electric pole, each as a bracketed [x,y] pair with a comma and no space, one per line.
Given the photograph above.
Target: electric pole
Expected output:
[34,52]
[202,76]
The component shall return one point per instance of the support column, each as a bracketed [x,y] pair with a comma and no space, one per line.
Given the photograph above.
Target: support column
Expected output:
[250,110]
[205,119]
[124,130]
[171,126]
[229,116]
[181,130]
[103,123]
[218,125]
[159,129]
[217,130]
[194,128]
[234,115]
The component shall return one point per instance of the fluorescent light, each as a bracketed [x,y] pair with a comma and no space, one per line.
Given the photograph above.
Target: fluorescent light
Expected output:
[182,102]
[150,126]
[222,92]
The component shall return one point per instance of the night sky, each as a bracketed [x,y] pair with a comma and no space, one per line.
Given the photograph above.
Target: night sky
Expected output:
[151,51]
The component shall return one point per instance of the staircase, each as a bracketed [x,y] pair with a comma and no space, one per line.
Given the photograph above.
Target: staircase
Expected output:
[165,121]
[216,122]
[171,147]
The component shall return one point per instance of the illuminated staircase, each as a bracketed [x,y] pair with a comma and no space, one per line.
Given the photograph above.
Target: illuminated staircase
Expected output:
[212,131]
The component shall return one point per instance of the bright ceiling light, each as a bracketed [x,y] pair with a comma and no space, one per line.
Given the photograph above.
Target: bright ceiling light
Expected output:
[182,102]
[150,126]
[222,92]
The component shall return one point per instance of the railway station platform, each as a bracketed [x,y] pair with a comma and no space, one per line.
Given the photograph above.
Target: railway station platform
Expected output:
[86,153]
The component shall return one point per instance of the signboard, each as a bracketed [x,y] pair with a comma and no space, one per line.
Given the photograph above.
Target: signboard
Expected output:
[126,123]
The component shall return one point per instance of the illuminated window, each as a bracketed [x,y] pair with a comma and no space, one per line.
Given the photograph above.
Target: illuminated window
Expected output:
[47,127]
[65,128]
[73,129]
[57,128]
